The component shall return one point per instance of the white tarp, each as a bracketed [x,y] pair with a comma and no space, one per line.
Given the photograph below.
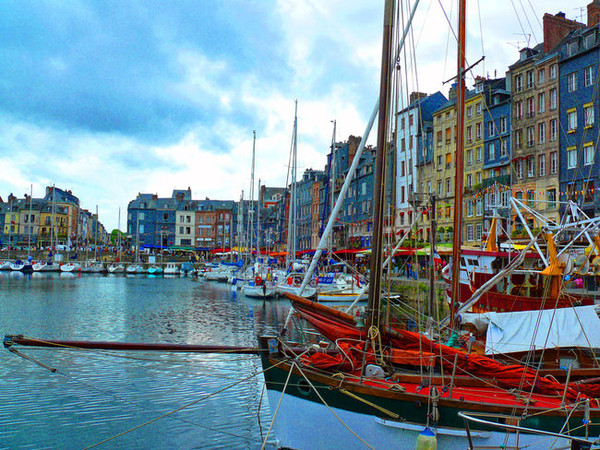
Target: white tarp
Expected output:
[528,330]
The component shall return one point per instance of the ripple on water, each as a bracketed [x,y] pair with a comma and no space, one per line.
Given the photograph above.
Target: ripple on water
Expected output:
[97,395]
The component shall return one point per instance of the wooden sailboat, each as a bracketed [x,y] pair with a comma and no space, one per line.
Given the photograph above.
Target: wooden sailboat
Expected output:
[359,392]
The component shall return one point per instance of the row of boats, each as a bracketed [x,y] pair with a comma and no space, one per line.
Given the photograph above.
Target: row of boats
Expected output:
[171,268]
[263,281]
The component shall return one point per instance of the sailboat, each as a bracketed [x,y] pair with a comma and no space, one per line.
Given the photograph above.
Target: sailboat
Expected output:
[382,387]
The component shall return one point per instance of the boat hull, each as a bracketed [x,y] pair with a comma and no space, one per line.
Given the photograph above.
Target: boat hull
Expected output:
[303,421]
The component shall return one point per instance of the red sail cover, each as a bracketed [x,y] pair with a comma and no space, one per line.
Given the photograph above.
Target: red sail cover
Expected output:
[336,325]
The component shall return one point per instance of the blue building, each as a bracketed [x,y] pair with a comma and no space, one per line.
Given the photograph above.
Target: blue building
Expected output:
[497,154]
[578,109]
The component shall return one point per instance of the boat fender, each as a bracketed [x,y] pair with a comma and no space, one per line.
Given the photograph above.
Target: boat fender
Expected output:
[374,371]
[426,440]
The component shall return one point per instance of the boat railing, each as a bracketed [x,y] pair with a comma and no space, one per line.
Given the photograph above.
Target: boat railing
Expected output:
[487,419]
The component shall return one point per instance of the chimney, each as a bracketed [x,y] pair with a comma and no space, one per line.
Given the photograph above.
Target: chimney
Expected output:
[557,27]
[414,96]
[593,13]
[452,92]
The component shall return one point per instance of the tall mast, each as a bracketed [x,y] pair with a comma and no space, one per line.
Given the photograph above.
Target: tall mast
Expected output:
[382,139]
[332,180]
[96,235]
[292,214]
[251,209]
[459,159]
[258,222]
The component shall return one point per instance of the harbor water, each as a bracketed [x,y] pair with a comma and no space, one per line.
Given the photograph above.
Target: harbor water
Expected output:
[133,400]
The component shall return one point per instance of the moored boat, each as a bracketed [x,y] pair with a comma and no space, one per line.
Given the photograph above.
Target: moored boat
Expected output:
[70,267]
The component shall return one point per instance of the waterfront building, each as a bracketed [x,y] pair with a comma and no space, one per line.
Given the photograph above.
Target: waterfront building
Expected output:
[534,138]
[413,153]
[496,158]
[578,112]
[304,207]
[444,171]
[473,164]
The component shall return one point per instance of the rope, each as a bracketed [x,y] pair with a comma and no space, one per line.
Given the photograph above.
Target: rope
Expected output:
[187,405]
[367,402]
[278,405]
[332,411]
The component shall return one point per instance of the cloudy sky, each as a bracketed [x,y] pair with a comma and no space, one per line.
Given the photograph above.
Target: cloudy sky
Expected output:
[114,98]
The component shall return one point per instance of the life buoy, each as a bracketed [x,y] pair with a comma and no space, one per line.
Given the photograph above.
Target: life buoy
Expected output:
[289,281]
[258,280]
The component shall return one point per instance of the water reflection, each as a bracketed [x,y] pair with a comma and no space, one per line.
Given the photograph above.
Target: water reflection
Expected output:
[96,395]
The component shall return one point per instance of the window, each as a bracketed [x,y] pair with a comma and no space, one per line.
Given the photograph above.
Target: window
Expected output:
[551,197]
[479,154]
[541,132]
[588,114]
[490,128]
[410,120]
[572,82]
[518,83]
[530,136]
[541,76]
[588,192]
[530,107]
[448,187]
[572,48]
[142,216]
[519,168]
[518,139]
[530,197]
[530,167]
[448,159]
[542,165]
[439,138]
[571,157]
[492,150]
[478,131]
[553,129]
[542,102]
[588,153]
[478,109]
[470,112]
[469,134]
[519,109]
[469,157]
[469,208]
[572,120]
[440,188]
[469,180]
[553,71]
[479,206]
[590,40]
[478,178]
[503,147]
[448,135]
[529,79]
[553,163]
[402,168]
[503,126]
[588,76]
[469,232]
[553,99]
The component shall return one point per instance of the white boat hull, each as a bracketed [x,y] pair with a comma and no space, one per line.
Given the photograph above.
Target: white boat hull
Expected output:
[45,267]
[309,291]
[258,292]
[303,424]
[118,268]
[70,267]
